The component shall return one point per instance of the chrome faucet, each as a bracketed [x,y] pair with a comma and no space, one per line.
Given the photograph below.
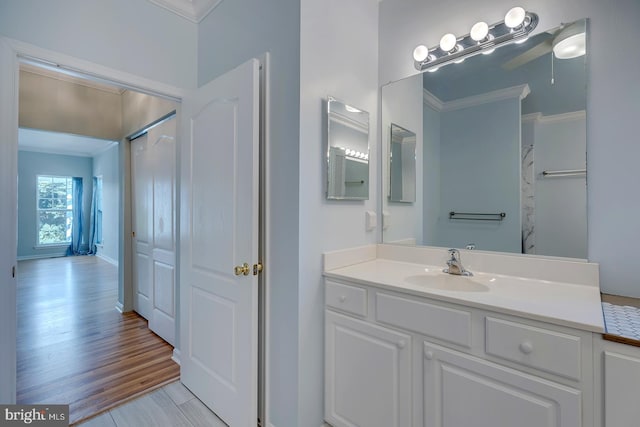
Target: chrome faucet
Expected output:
[454,265]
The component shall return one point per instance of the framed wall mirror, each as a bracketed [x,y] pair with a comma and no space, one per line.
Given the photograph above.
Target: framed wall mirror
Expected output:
[503,133]
[347,151]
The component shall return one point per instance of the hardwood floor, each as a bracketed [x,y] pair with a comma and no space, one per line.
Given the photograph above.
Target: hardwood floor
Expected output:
[74,347]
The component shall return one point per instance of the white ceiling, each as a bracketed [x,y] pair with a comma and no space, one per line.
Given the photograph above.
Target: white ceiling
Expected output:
[193,10]
[61,143]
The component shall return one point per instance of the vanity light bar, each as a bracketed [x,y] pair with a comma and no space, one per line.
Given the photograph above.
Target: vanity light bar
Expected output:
[517,25]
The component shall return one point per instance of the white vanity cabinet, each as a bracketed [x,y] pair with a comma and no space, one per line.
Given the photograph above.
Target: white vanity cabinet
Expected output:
[397,359]
[368,374]
[463,390]
[618,368]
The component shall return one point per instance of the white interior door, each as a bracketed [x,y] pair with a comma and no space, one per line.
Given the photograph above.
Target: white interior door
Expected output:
[162,143]
[153,192]
[9,215]
[141,196]
[219,223]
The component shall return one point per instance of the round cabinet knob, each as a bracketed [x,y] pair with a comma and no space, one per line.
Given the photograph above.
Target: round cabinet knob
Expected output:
[401,344]
[343,298]
[428,354]
[526,347]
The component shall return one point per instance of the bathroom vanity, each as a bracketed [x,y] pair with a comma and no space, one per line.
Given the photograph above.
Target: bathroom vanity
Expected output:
[408,345]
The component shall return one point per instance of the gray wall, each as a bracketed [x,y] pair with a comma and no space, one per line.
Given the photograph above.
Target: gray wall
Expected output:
[481,177]
[338,46]
[431,173]
[30,165]
[135,36]
[402,105]
[612,104]
[106,165]
[560,203]
[235,32]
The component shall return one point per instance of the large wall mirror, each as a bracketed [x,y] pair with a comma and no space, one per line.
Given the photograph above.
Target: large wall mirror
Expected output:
[500,148]
[347,151]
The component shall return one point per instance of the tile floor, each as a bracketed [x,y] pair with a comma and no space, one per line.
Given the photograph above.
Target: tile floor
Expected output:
[170,406]
[622,320]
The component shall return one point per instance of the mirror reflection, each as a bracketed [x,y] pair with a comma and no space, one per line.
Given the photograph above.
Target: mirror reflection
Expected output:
[498,136]
[402,165]
[347,152]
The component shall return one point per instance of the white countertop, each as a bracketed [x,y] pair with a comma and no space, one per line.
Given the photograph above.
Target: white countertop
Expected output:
[566,304]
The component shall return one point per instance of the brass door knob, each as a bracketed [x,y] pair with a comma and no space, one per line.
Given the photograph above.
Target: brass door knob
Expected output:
[242,270]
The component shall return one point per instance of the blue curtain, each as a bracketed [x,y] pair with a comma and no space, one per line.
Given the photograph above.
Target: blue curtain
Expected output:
[93,231]
[76,227]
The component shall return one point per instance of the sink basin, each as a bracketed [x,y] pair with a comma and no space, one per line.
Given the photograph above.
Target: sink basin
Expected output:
[447,282]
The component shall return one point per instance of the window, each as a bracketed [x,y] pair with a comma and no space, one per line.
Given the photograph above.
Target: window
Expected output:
[54,209]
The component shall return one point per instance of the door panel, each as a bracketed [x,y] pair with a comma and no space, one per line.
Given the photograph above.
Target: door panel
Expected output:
[153,171]
[219,192]
[162,147]
[164,154]
[141,195]
[214,222]
[163,289]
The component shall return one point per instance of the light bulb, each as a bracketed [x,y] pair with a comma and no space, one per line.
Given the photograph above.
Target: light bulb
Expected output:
[479,31]
[420,53]
[514,17]
[448,42]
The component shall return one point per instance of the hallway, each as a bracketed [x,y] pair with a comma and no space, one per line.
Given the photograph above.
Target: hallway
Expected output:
[74,347]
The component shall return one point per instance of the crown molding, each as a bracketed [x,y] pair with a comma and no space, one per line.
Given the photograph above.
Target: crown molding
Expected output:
[437,104]
[573,115]
[432,101]
[531,117]
[193,10]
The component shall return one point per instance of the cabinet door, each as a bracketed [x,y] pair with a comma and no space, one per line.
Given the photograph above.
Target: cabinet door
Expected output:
[368,374]
[621,389]
[464,391]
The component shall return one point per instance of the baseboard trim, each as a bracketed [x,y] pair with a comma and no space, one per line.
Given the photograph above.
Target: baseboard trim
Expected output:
[120,307]
[323,425]
[107,259]
[176,356]
[43,256]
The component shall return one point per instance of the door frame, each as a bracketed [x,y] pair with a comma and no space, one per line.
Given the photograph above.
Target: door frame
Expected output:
[62,62]
[25,52]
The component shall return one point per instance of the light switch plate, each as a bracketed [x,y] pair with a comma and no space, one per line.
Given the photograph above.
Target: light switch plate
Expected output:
[386,220]
[371,220]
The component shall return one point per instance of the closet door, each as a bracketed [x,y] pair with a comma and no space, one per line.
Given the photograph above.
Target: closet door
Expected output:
[153,195]
[162,142]
[142,197]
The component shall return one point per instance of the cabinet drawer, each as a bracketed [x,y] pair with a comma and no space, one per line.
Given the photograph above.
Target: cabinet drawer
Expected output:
[351,299]
[443,323]
[543,349]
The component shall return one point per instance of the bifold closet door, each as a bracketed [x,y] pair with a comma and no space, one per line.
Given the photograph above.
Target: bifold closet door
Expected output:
[153,195]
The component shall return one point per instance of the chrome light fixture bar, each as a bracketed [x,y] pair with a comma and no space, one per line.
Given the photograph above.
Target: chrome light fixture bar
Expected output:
[483,38]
